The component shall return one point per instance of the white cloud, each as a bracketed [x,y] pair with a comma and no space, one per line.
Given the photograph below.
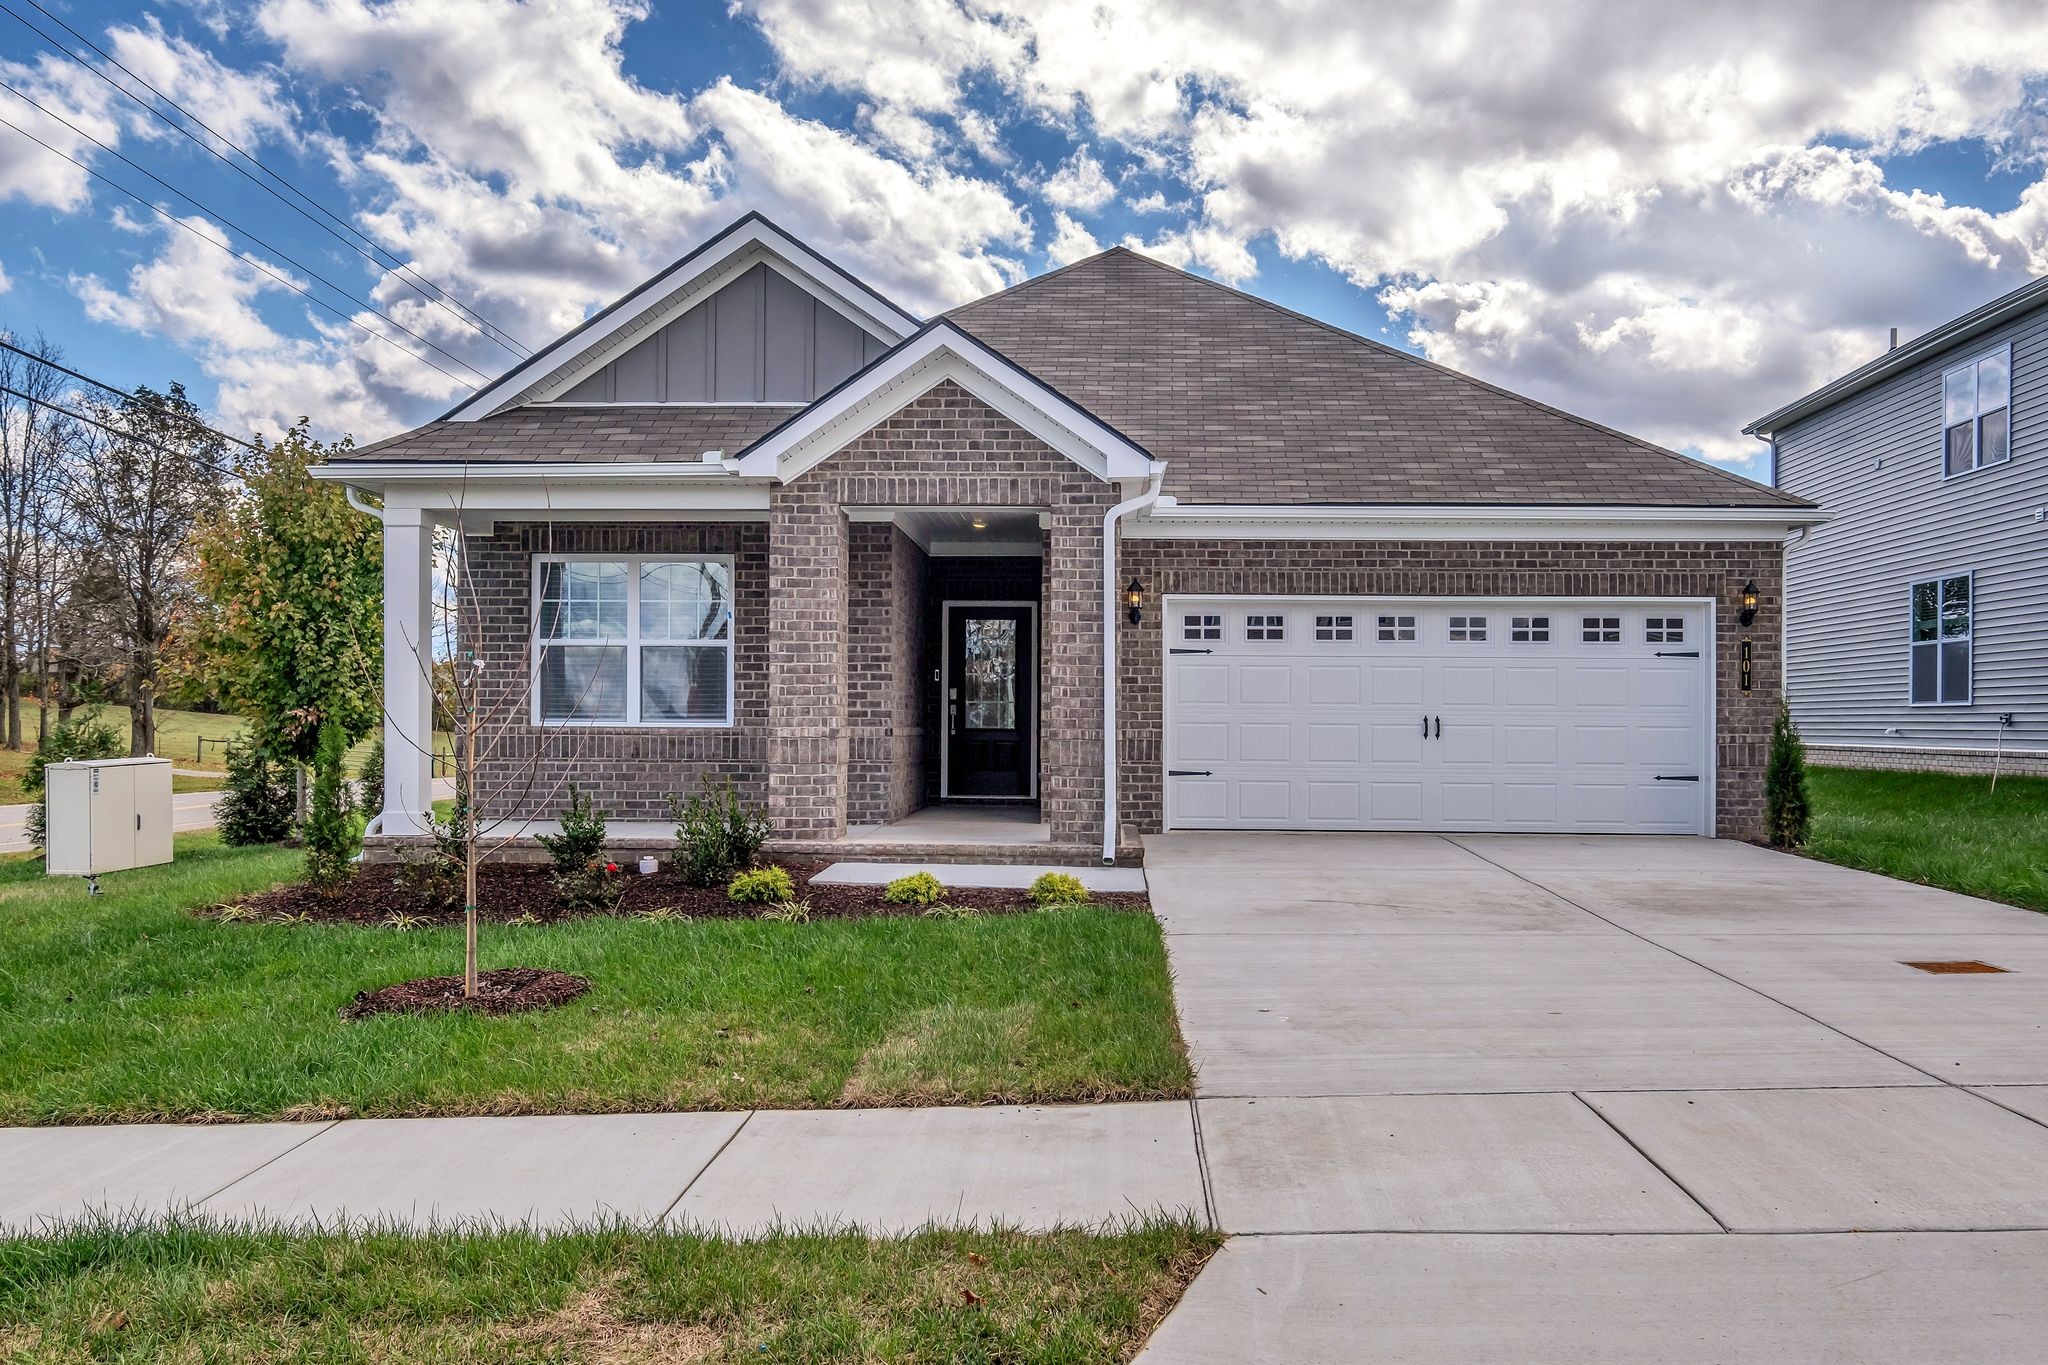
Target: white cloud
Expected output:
[1070,241]
[1644,221]
[1079,183]
[42,175]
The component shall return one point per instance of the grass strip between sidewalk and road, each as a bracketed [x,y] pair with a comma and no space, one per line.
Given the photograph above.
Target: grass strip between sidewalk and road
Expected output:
[190,1290]
[129,1007]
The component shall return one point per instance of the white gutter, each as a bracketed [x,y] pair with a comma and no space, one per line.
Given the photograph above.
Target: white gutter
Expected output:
[1483,512]
[1110,594]
[712,464]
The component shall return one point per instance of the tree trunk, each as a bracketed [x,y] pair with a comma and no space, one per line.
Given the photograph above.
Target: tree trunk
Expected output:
[13,706]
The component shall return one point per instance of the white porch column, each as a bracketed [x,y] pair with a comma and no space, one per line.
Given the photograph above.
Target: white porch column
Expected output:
[408,670]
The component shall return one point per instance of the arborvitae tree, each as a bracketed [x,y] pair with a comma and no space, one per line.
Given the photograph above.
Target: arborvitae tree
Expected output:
[255,805]
[1785,804]
[330,839]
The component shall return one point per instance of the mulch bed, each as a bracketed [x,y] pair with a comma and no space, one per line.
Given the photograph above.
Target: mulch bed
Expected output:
[524,892]
[507,990]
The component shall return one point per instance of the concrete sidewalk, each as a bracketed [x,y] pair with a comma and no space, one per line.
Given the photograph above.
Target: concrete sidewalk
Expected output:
[884,1170]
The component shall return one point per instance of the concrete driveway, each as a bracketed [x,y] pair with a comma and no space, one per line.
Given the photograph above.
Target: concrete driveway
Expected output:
[1429,1066]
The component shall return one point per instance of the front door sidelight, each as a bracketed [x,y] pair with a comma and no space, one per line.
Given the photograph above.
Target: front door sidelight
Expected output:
[991,701]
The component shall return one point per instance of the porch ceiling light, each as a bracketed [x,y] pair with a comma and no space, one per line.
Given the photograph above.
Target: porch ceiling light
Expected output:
[980,523]
[1748,602]
[1134,598]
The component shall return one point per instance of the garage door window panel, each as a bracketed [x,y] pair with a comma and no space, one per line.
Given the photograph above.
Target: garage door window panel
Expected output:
[1266,628]
[1600,630]
[1397,629]
[1199,627]
[1529,630]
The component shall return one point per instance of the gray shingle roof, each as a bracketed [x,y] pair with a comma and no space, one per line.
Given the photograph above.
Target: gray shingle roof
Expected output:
[679,432]
[1251,403]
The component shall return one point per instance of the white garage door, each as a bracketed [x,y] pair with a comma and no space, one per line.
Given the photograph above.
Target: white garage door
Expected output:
[1334,713]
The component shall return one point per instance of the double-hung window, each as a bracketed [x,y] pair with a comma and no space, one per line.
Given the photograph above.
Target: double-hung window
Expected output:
[633,641]
[1943,609]
[1976,403]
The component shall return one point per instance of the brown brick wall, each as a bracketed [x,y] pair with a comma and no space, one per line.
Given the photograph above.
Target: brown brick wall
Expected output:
[885,647]
[630,771]
[946,449]
[1467,569]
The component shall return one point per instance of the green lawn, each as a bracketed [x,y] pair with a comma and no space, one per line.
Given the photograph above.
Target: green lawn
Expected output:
[128,1007]
[1937,828]
[188,1291]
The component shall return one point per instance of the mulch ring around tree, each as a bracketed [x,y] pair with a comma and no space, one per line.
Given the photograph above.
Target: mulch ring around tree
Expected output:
[507,990]
[524,893]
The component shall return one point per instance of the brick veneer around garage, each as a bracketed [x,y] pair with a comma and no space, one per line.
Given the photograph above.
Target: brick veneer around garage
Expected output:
[1478,569]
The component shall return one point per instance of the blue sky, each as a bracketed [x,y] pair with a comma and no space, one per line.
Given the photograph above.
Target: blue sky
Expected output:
[1669,230]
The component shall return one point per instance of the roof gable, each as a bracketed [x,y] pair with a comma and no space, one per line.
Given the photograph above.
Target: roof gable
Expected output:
[1249,403]
[728,259]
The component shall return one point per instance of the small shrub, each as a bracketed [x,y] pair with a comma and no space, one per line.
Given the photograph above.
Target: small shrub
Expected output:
[330,835]
[581,841]
[371,778]
[401,921]
[436,875]
[595,888]
[761,886]
[791,911]
[255,805]
[238,913]
[1785,804]
[665,914]
[919,888]
[1057,888]
[717,833]
[81,738]
[945,911]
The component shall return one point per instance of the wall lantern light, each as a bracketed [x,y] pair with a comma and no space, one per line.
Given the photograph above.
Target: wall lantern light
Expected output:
[1134,598]
[1748,615]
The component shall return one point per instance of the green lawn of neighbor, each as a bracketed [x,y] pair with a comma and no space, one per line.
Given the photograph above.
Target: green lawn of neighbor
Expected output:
[127,1006]
[194,1292]
[1938,828]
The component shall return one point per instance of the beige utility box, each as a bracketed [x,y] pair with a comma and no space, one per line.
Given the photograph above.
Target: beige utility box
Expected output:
[106,814]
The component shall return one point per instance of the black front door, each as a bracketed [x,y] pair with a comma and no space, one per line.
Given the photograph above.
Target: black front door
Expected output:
[991,706]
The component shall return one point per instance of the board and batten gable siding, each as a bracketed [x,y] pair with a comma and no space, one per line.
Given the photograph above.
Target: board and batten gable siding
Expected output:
[1874,460]
[760,339]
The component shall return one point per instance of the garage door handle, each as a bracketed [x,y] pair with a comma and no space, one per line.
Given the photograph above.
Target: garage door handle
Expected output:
[1690,777]
[1439,727]
[1189,772]
[1425,727]
[1190,651]
[1678,654]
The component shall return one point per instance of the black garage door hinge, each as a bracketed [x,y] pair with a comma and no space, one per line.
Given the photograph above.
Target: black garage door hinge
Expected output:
[1189,772]
[1689,777]
[1190,651]
[1678,654]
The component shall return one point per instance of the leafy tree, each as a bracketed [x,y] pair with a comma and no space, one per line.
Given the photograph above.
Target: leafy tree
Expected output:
[330,839]
[72,740]
[35,440]
[1785,804]
[293,581]
[135,487]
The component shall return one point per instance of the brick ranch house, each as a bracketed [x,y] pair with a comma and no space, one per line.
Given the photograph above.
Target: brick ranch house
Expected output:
[901,578]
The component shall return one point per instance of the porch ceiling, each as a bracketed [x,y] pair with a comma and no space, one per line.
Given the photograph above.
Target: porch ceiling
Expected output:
[971,530]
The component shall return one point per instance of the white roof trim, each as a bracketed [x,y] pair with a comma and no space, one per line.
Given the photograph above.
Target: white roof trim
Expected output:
[1459,522]
[669,294]
[939,353]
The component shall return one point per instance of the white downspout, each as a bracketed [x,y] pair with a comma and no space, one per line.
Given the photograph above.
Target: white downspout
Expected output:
[1110,595]
[355,500]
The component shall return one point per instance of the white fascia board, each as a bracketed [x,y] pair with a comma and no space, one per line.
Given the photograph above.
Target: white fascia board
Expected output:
[1246,522]
[669,294]
[617,492]
[912,370]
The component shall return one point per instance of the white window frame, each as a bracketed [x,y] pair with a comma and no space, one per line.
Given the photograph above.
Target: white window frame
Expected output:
[1336,628]
[1387,629]
[1977,460]
[1466,630]
[1968,639]
[1197,627]
[1663,630]
[1271,624]
[632,641]
[1601,633]
[1533,629]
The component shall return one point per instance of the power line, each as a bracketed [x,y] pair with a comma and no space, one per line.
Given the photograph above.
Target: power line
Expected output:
[48,363]
[398,268]
[229,223]
[126,435]
[252,261]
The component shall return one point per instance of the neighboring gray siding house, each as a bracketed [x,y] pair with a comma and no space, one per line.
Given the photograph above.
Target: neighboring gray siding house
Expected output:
[1916,620]
[756,521]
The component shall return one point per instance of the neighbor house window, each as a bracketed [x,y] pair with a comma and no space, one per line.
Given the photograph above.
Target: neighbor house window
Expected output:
[1976,403]
[1397,628]
[1940,667]
[1468,629]
[1201,627]
[1529,630]
[633,641]
[1333,627]
[1265,627]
